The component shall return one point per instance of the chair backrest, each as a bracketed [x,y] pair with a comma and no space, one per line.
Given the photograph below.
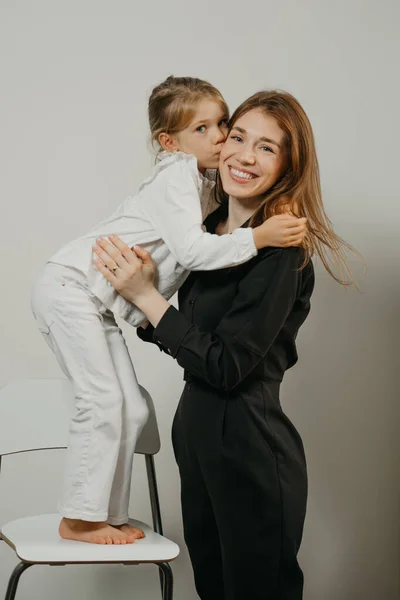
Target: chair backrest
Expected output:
[34,415]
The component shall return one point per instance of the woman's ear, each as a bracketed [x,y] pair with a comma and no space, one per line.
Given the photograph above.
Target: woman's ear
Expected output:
[168,142]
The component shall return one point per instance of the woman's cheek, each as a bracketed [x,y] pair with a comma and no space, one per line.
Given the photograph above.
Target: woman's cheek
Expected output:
[221,159]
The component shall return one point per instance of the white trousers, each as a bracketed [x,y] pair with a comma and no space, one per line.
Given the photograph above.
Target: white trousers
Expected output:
[109,410]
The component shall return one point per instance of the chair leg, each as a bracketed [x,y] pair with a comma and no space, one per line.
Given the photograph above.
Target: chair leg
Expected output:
[14,580]
[167,588]
[162,578]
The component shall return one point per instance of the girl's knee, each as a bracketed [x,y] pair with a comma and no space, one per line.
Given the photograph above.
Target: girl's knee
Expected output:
[142,414]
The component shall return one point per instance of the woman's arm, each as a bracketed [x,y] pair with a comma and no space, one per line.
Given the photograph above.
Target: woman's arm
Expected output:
[223,358]
[147,335]
[132,274]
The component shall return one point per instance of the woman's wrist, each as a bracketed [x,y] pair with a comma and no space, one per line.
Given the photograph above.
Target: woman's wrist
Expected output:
[152,304]
[138,297]
[142,297]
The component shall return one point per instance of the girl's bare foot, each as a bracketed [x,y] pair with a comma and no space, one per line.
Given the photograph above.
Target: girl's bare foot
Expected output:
[133,533]
[92,532]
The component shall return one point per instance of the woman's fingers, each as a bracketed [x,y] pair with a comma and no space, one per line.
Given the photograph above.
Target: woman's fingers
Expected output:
[143,254]
[105,257]
[123,249]
[105,271]
[109,251]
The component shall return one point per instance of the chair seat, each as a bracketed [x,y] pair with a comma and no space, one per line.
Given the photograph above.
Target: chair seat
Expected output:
[36,540]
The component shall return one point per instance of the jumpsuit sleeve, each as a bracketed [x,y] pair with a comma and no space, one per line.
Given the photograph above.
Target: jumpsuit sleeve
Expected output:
[264,299]
[147,335]
[175,213]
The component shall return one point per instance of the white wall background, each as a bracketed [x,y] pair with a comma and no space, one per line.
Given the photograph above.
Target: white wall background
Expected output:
[75,78]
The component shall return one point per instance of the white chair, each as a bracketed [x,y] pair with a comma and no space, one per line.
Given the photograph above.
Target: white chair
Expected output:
[34,416]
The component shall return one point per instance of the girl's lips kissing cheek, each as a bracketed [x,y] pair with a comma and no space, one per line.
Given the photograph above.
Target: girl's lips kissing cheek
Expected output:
[241,175]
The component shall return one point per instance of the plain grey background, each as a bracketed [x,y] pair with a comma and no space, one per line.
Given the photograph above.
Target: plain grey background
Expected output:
[75,78]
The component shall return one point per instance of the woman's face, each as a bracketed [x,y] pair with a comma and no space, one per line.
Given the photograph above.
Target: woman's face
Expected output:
[252,158]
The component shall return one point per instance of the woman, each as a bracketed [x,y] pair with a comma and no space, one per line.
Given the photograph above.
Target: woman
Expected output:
[241,461]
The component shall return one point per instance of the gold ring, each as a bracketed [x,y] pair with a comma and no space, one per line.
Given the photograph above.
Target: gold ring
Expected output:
[113,269]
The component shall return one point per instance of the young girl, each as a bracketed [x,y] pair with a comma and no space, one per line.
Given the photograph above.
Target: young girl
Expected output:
[75,307]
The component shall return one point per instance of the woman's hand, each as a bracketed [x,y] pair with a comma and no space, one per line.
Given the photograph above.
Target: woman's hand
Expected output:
[132,274]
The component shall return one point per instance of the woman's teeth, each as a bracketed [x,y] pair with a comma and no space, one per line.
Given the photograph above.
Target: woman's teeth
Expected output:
[241,174]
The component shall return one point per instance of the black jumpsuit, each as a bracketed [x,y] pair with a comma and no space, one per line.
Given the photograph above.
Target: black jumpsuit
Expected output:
[241,461]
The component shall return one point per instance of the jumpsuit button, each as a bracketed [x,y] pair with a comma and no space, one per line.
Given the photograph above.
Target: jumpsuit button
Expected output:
[191,301]
[189,388]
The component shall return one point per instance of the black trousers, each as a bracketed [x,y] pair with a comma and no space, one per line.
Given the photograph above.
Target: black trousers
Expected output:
[243,491]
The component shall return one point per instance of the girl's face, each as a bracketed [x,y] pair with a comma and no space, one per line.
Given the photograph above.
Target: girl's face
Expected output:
[205,134]
[252,158]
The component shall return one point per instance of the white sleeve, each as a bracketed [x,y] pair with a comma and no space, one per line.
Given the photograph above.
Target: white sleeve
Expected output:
[175,212]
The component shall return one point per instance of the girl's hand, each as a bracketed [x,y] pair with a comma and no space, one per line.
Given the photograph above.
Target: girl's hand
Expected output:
[132,274]
[280,231]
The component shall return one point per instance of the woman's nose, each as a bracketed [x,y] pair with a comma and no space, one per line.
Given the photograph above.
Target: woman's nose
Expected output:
[247,157]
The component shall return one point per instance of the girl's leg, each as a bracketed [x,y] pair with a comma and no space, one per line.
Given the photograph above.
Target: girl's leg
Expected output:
[72,326]
[134,417]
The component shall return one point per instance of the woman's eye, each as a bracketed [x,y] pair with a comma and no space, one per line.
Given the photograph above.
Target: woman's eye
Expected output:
[201,128]
[266,149]
[236,138]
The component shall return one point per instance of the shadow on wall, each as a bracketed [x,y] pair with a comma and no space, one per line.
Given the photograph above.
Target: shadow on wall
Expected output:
[343,397]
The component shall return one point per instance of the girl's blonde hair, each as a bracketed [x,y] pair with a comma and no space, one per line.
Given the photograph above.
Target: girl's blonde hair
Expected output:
[172,104]
[299,185]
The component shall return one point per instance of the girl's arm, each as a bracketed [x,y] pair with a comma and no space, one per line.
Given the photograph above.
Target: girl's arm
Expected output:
[175,212]
[265,298]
